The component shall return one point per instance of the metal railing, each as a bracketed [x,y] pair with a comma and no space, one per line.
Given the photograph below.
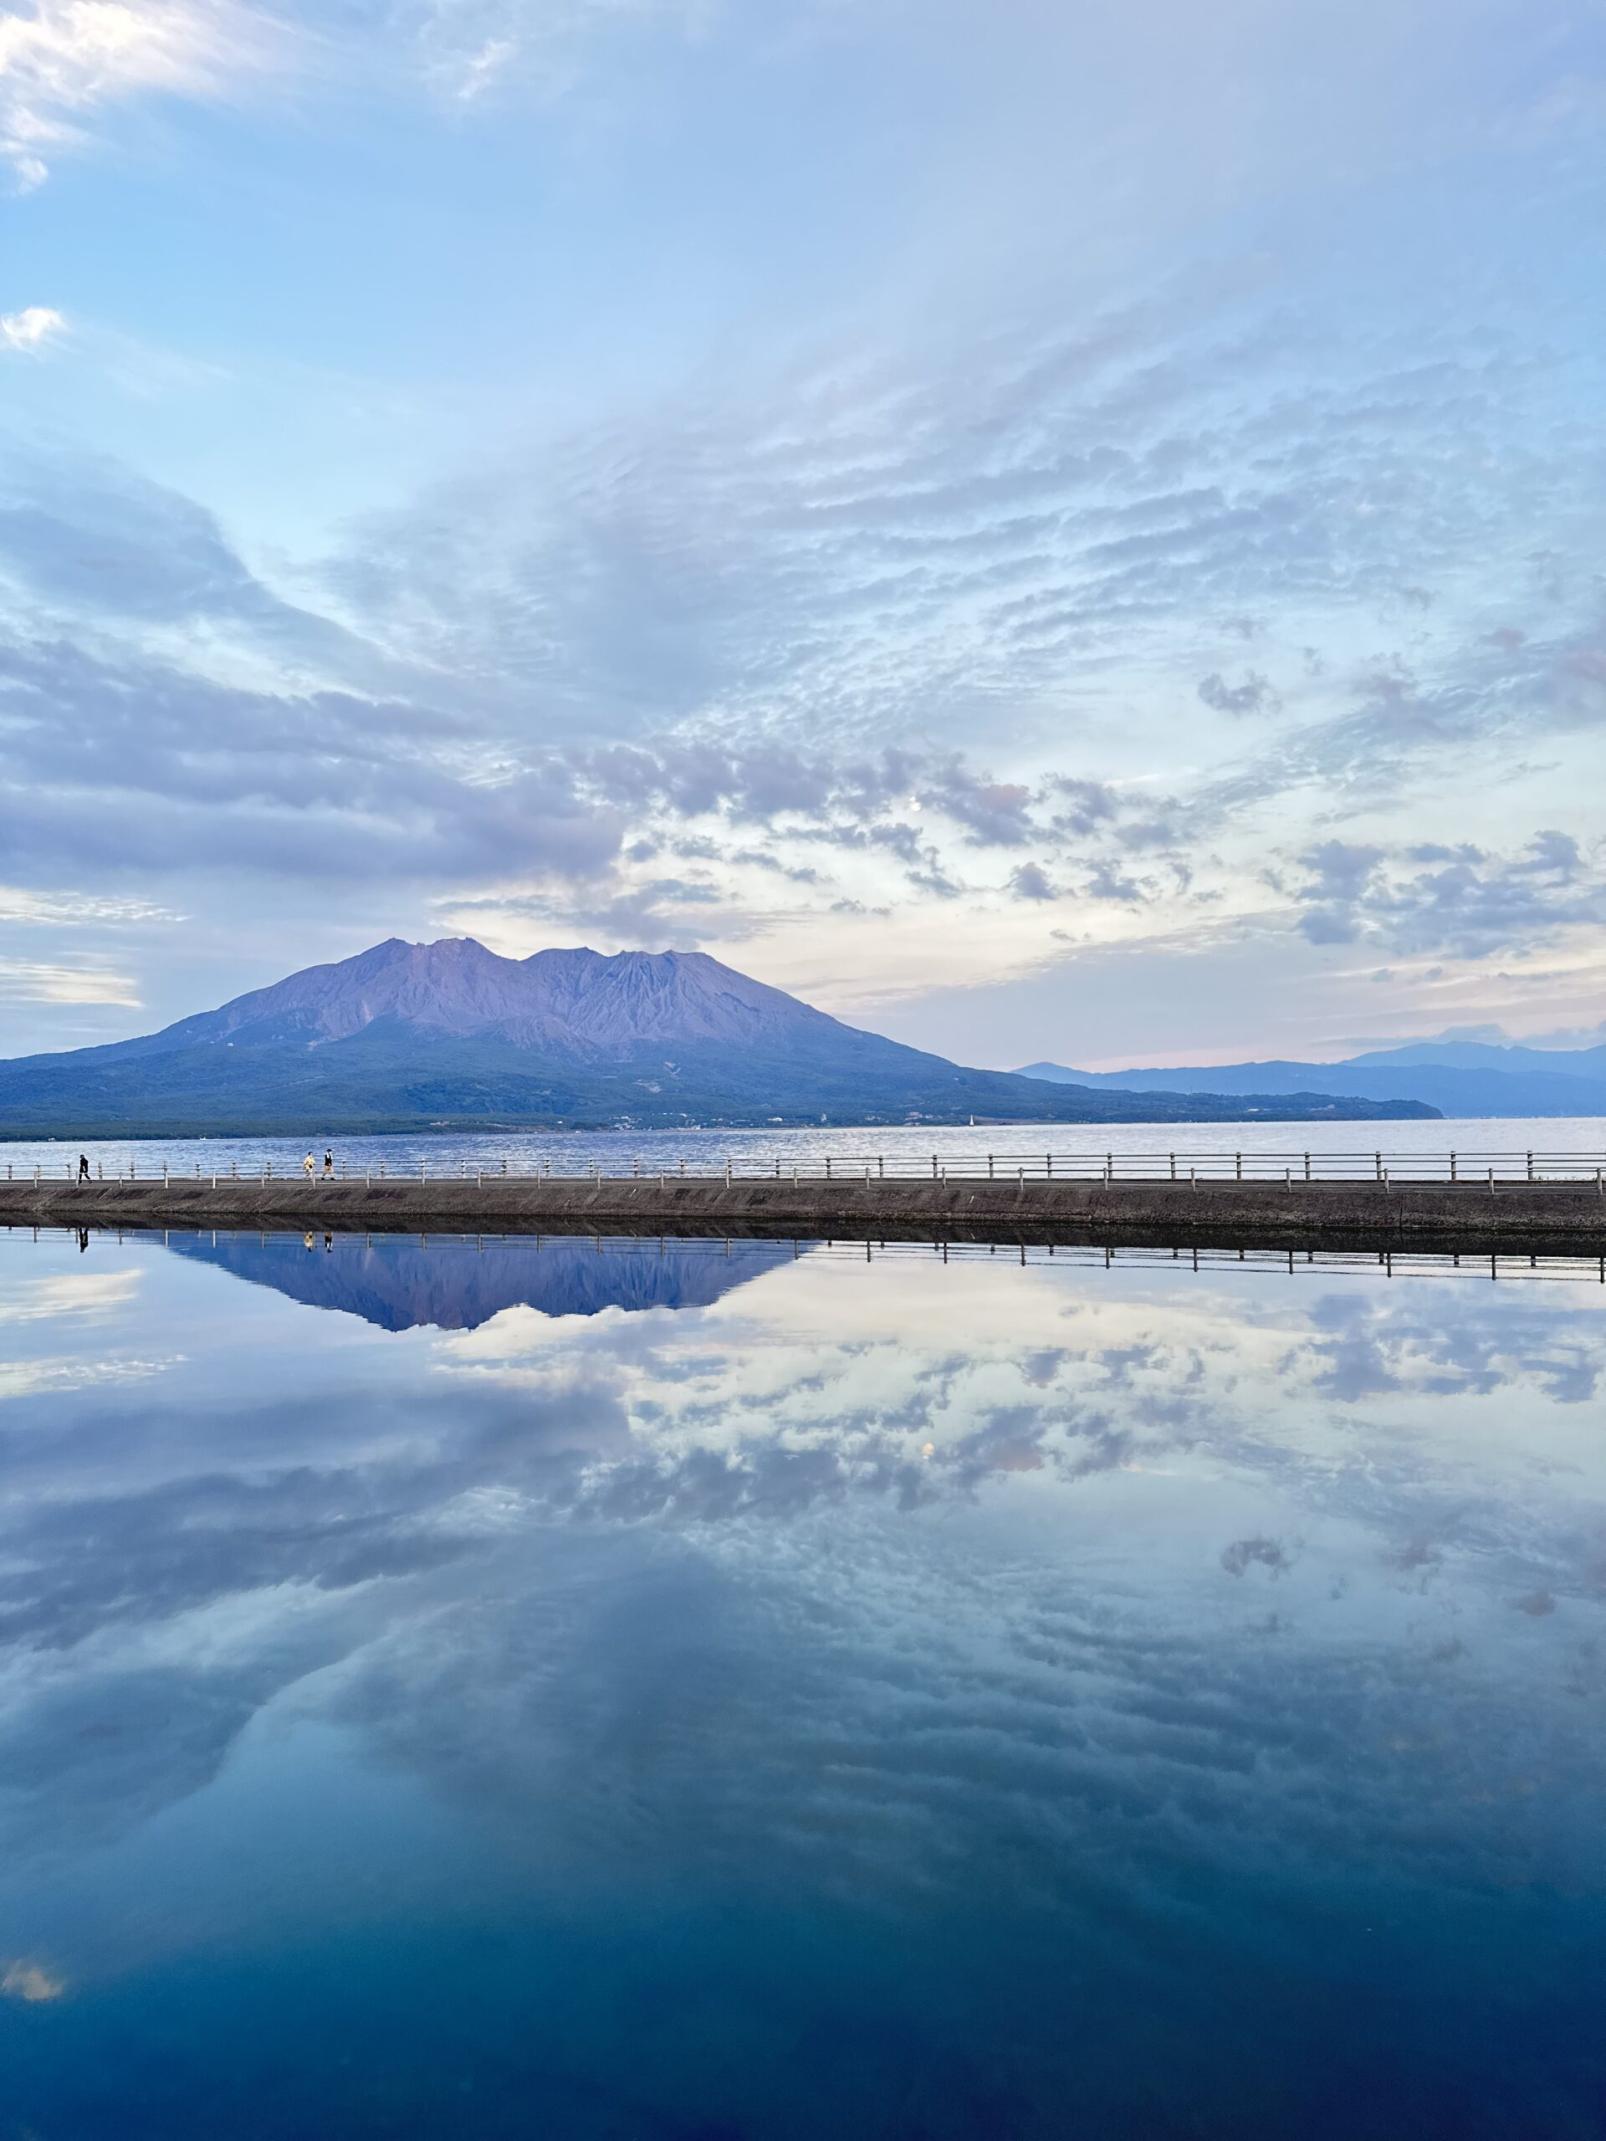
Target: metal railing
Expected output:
[1289,1168]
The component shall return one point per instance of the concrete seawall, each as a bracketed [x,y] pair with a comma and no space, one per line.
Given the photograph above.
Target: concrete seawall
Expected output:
[1565,1217]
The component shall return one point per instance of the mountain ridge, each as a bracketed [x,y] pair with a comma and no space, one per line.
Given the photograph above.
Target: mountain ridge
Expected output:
[1457,1082]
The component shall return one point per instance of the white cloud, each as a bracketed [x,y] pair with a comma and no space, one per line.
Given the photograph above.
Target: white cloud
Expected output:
[69,58]
[67,908]
[27,981]
[32,1983]
[30,328]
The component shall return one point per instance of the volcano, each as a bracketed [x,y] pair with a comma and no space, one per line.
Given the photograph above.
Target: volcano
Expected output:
[451,1036]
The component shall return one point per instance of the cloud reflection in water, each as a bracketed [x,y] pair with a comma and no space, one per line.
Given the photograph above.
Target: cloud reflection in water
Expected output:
[1159,1636]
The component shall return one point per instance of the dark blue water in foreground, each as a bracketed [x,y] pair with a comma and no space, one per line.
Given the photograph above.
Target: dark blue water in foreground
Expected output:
[671,1694]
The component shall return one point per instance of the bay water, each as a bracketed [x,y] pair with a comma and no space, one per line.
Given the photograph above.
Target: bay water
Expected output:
[688,1692]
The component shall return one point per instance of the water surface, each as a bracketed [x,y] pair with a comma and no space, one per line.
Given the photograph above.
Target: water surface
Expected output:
[1352,1147]
[638,1691]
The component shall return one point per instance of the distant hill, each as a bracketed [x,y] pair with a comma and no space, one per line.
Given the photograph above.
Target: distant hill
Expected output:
[448,1035]
[1465,1078]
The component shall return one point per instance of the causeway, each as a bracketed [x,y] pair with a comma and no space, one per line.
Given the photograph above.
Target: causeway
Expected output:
[1558,1215]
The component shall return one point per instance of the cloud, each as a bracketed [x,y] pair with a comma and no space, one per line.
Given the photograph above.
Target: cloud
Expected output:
[142,767]
[30,328]
[31,1983]
[85,540]
[1459,899]
[922,546]
[1258,1552]
[1253,696]
[469,50]
[76,909]
[1031,882]
[31,981]
[1109,882]
[63,62]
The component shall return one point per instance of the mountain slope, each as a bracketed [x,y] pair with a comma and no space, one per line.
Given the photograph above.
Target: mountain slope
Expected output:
[405,1036]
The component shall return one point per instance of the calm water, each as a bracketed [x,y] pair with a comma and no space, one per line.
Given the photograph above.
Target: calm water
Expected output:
[614,1151]
[591,1692]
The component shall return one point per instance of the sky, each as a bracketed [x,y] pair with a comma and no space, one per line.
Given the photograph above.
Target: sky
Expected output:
[1052,531]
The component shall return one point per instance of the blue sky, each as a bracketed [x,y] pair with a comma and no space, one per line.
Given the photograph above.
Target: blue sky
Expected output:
[1051,531]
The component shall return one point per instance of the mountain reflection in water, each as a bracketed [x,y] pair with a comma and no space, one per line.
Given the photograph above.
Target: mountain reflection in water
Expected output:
[643,1693]
[399,1282]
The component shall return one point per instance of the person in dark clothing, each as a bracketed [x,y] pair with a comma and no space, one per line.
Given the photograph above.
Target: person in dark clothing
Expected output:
[83,1167]
[328,1164]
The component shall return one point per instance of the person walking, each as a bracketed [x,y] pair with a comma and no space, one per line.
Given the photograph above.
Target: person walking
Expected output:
[328,1164]
[83,1167]
[307,1166]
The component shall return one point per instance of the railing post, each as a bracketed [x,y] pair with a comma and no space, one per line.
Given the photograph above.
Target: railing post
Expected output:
[828,1167]
[1378,1157]
[1173,1166]
[1238,1167]
[1530,1167]
[989,1167]
[1452,1167]
[933,1167]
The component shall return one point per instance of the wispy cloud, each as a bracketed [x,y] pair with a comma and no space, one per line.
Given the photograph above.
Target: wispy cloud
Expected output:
[64,62]
[469,48]
[29,981]
[74,909]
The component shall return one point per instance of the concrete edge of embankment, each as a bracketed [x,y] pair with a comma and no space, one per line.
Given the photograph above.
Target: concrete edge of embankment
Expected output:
[1562,1217]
